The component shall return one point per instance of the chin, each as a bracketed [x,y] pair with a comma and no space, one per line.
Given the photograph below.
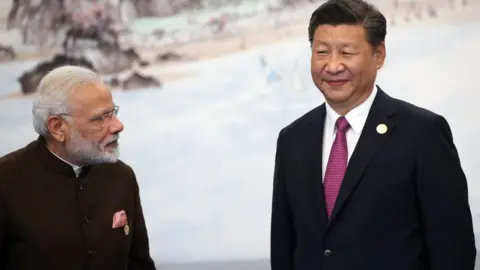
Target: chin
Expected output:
[337,95]
[110,155]
[111,158]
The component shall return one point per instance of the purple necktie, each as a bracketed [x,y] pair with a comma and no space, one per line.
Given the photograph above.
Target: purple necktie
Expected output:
[337,164]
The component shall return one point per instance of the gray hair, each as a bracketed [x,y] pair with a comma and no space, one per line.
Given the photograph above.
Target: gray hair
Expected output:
[53,93]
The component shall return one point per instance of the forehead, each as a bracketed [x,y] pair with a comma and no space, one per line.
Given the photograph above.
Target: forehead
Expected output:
[340,34]
[90,99]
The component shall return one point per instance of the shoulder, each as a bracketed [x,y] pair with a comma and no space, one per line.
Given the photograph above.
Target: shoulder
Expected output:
[302,123]
[417,112]
[14,163]
[422,126]
[14,159]
[11,158]
[120,167]
[423,118]
[120,171]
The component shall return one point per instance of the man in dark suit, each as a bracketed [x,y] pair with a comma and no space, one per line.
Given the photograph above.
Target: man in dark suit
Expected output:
[366,181]
[66,201]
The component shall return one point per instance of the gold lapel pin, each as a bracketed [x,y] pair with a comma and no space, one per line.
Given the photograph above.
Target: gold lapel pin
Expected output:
[126,229]
[382,129]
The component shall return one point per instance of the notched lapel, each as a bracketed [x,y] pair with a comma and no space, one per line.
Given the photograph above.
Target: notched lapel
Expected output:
[315,144]
[370,141]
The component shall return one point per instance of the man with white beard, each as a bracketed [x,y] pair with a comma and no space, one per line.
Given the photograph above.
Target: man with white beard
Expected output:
[66,201]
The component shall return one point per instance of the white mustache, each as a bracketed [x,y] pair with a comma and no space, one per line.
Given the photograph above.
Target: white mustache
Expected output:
[114,138]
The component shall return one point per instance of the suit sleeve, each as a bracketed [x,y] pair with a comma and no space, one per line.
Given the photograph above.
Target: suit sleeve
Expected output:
[2,233]
[442,195]
[4,175]
[139,257]
[282,235]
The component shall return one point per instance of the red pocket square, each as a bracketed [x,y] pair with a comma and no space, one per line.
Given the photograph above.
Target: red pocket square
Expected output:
[119,219]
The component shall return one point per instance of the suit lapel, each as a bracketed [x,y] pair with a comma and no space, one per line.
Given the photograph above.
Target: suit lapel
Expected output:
[369,143]
[314,144]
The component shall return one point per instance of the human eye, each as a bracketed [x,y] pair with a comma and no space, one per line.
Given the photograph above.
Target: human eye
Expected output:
[349,51]
[100,118]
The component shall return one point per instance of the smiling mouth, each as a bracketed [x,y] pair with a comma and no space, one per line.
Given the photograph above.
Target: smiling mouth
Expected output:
[337,82]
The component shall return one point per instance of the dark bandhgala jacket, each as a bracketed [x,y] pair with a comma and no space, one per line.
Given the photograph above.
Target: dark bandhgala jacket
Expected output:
[52,220]
[403,203]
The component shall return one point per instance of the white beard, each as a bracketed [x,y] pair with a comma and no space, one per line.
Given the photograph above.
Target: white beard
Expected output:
[84,152]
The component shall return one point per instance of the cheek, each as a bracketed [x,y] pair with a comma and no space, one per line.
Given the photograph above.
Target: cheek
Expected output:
[363,65]
[314,63]
[95,136]
[316,68]
[356,69]
[102,137]
[74,132]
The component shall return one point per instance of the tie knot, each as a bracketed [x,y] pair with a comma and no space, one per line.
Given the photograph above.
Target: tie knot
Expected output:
[342,124]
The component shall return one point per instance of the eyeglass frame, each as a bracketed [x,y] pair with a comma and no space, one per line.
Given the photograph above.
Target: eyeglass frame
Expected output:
[98,118]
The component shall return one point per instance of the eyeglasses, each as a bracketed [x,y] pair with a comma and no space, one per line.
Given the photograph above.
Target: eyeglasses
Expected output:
[100,121]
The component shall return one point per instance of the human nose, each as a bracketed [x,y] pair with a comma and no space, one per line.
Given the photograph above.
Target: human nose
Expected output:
[116,126]
[334,64]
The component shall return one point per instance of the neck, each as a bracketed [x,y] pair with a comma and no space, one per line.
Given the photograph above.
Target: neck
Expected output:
[58,149]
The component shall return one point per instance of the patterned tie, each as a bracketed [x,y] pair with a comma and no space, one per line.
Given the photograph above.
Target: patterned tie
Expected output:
[337,164]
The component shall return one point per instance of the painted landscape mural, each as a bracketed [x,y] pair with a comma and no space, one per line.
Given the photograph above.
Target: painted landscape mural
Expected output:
[204,87]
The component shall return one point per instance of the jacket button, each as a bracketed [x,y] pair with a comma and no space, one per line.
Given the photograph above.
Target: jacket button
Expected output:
[327,253]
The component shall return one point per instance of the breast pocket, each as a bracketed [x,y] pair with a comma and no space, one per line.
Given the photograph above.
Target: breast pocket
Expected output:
[121,230]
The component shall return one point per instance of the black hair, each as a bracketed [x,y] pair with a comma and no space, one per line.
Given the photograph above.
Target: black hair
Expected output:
[350,12]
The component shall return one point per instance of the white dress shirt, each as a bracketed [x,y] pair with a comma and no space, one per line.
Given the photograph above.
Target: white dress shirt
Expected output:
[356,118]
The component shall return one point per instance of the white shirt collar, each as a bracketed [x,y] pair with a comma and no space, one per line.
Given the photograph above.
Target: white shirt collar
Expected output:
[76,169]
[356,117]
